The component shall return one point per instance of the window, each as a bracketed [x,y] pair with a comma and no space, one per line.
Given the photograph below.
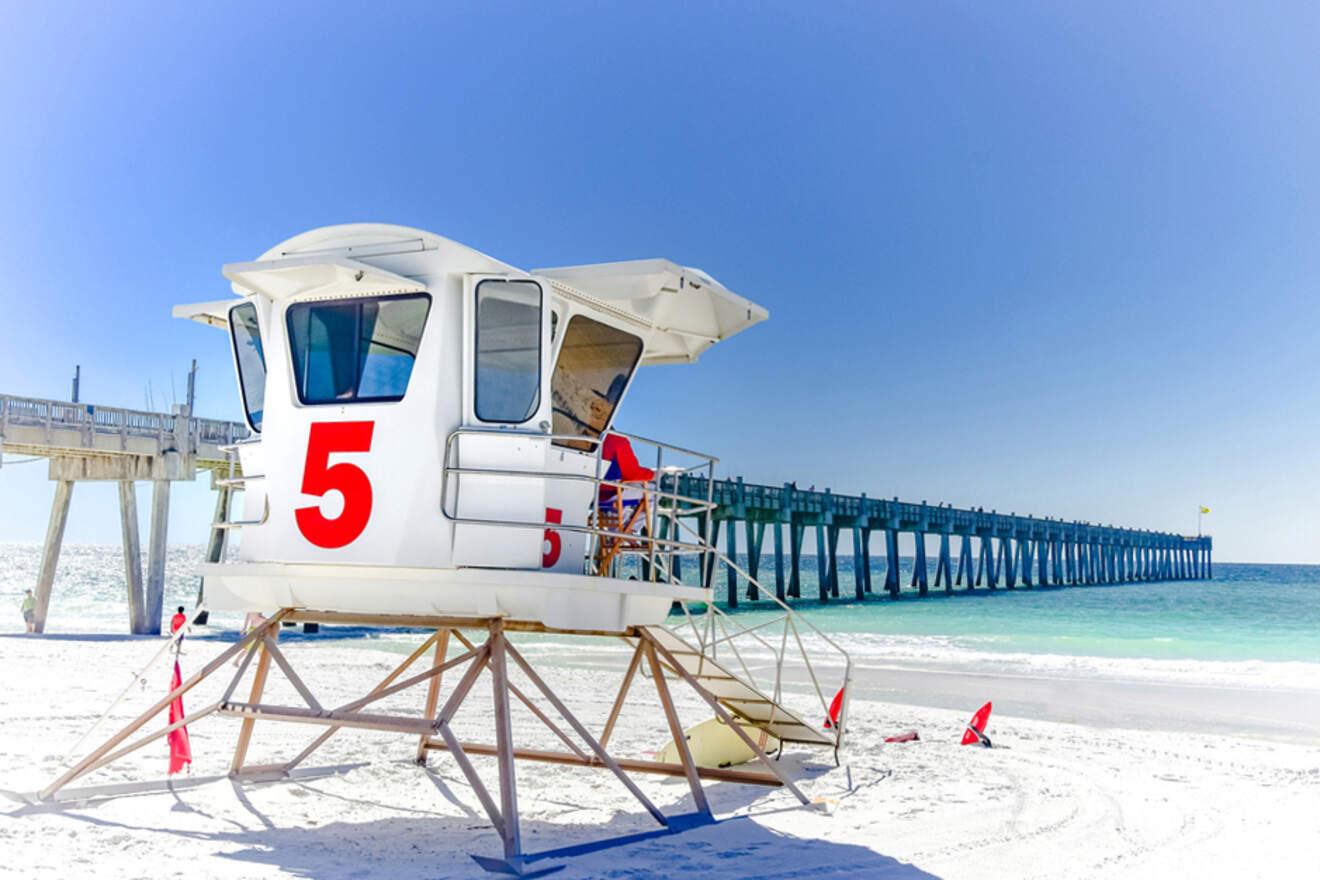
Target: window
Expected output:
[595,362]
[508,351]
[251,361]
[357,350]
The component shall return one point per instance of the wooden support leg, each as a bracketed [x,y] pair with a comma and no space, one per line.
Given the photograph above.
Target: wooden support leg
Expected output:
[726,718]
[510,834]
[676,729]
[623,693]
[433,690]
[258,687]
[596,748]
[83,766]
[385,683]
[50,552]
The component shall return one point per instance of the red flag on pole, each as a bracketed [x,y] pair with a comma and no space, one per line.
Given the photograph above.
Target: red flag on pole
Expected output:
[180,750]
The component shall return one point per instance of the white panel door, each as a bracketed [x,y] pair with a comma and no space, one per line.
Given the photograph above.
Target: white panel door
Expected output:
[506,417]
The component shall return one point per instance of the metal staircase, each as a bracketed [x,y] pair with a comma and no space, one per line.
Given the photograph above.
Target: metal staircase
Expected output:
[721,654]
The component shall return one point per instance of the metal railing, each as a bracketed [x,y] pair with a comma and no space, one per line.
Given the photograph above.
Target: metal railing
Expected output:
[236,482]
[655,544]
[713,628]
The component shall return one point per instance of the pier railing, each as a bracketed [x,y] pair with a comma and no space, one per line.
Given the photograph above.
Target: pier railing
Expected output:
[995,549]
[45,427]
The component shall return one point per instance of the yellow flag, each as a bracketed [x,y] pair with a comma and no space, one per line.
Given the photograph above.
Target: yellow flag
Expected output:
[1205,510]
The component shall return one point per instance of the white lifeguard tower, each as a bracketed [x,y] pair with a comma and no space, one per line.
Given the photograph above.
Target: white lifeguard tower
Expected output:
[428,425]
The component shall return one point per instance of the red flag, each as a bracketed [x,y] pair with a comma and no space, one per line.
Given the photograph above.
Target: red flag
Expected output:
[180,750]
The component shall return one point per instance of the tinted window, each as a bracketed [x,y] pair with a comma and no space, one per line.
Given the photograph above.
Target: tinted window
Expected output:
[595,362]
[508,353]
[356,350]
[251,361]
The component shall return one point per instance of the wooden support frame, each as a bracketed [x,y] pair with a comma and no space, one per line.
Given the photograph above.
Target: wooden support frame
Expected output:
[496,656]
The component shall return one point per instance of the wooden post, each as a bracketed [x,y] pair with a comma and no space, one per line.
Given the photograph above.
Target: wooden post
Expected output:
[50,551]
[622,695]
[128,523]
[258,687]
[433,691]
[83,766]
[676,730]
[504,741]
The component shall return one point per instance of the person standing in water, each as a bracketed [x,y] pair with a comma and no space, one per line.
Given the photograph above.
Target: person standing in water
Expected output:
[29,609]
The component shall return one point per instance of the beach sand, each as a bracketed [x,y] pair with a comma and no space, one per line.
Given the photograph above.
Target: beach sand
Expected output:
[1166,784]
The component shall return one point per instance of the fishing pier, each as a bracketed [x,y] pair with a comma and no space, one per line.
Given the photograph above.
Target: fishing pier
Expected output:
[109,444]
[86,443]
[993,549]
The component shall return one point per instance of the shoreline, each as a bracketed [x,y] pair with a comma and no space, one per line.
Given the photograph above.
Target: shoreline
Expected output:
[1052,799]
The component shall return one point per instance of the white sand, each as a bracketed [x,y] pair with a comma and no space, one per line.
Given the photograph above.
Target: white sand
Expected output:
[1053,799]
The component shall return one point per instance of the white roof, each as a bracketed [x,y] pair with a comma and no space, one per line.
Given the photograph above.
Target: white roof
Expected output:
[686,310]
[680,311]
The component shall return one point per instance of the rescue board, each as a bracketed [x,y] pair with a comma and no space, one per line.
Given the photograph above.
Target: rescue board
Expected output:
[975,731]
[714,744]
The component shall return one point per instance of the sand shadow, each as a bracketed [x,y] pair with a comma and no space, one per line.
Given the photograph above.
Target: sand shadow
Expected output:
[406,847]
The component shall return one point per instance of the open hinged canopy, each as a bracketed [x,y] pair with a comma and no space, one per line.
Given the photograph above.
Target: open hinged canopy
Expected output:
[685,309]
[679,311]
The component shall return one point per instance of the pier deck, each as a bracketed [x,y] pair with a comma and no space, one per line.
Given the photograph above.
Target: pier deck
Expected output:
[993,549]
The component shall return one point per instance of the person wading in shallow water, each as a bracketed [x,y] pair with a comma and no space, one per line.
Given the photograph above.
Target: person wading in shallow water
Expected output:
[29,609]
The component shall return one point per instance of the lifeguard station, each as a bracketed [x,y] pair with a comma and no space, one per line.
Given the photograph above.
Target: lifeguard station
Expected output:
[427,450]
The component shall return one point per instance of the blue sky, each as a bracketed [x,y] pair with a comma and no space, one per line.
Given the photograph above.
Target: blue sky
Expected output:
[1029,256]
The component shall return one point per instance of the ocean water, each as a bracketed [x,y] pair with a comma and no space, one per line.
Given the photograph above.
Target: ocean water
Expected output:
[1250,623]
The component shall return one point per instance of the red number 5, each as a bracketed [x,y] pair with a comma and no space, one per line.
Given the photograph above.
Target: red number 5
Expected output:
[551,556]
[319,477]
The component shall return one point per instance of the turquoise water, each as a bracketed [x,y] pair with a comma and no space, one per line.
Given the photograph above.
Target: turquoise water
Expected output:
[1266,613]
[1247,612]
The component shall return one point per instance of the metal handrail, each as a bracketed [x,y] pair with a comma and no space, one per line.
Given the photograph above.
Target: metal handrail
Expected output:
[243,523]
[790,619]
[668,503]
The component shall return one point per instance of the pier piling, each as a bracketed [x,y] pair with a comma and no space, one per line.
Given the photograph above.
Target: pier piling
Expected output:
[994,550]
